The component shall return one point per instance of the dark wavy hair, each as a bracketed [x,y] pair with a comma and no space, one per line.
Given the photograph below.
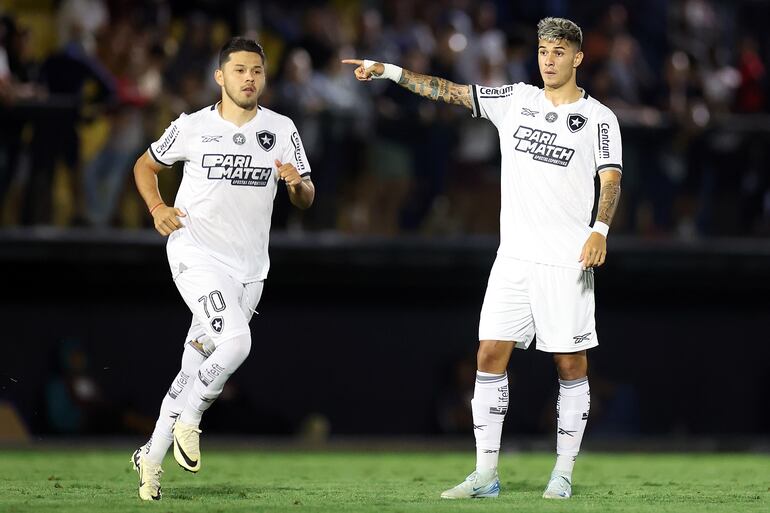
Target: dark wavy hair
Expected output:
[239,44]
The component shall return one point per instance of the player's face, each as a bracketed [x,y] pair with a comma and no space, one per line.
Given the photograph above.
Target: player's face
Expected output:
[557,61]
[242,78]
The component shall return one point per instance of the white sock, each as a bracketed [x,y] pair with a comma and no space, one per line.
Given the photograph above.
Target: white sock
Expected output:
[213,375]
[489,405]
[172,405]
[572,408]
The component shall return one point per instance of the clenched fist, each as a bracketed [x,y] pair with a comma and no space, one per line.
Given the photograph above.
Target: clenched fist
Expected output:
[288,173]
[166,219]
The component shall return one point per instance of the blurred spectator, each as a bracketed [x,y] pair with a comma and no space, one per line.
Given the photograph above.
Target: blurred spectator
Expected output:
[193,58]
[750,97]
[16,86]
[81,21]
[75,403]
[138,80]
[390,159]
[518,59]
[320,36]
[63,76]
[628,71]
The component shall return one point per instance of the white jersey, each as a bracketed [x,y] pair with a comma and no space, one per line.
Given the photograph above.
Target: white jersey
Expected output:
[550,157]
[228,187]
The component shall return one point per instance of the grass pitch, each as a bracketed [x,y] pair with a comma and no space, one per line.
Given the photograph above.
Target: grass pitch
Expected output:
[253,481]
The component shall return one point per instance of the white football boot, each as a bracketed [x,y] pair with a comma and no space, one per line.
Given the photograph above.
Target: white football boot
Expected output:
[149,476]
[187,450]
[479,484]
[559,487]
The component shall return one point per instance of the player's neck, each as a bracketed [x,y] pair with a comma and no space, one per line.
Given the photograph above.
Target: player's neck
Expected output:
[566,93]
[235,114]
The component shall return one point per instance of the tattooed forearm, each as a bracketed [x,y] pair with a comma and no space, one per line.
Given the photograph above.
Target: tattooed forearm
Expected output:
[436,88]
[608,201]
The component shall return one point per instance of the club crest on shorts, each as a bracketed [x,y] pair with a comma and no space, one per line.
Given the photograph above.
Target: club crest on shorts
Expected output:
[266,140]
[575,122]
[217,324]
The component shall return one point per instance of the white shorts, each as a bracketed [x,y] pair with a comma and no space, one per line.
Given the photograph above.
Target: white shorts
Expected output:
[525,299]
[221,306]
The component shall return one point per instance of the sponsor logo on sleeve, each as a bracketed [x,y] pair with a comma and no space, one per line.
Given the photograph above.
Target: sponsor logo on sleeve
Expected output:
[168,141]
[604,140]
[297,142]
[495,92]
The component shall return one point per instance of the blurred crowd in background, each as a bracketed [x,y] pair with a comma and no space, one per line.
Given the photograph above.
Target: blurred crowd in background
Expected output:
[86,85]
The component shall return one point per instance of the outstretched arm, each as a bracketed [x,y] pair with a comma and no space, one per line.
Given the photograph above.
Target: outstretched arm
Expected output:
[595,249]
[427,86]
[436,88]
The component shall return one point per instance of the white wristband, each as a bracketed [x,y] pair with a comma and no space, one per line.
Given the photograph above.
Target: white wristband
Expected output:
[600,227]
[391,72]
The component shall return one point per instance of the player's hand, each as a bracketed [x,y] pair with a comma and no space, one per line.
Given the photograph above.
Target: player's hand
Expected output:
[288,173]
[594,251]
[365,74]
[167,219]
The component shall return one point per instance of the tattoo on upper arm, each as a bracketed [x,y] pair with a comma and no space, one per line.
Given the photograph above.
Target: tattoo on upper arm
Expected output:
[608,201]
[436,88]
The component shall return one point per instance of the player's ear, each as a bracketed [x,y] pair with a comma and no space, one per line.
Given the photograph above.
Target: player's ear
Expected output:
[219,77]
[578,59]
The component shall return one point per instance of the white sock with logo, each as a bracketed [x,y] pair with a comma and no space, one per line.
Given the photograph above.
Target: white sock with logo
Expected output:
[172,405]
[489,405]
[572,408]
[212,376]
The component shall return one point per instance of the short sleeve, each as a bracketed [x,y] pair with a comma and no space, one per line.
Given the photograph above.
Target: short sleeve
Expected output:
[294,152]
[608,146]
[170,148]
[493,103]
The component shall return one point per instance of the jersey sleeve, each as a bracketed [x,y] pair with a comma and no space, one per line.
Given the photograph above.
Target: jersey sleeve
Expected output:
[170,147]
[493,103]
[294,151]
[608,147]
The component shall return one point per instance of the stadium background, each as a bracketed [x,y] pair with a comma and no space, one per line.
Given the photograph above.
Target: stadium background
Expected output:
[368,322]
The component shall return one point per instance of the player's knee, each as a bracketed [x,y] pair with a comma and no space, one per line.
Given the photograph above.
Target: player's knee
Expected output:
[239,347]
[493,356]
[192,358]
[571,366]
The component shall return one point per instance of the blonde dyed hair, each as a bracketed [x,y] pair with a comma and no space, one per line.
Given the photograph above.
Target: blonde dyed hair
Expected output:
[554,29]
